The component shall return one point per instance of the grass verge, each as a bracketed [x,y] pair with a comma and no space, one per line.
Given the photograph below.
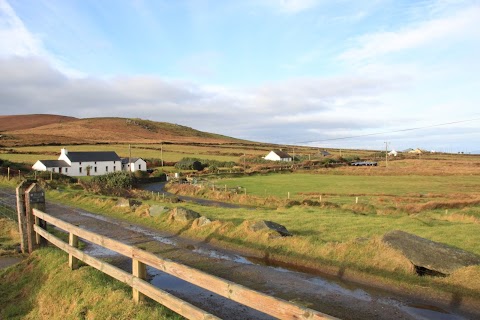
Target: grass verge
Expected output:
[43,287]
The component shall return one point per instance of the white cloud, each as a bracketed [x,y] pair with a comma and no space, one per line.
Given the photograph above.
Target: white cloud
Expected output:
[290,6]
[462,24]
[15,39]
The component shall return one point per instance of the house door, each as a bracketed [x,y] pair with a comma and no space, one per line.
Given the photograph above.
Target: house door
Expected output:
[60,170]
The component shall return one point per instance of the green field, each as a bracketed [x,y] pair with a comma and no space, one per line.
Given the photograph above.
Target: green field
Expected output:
[280,184]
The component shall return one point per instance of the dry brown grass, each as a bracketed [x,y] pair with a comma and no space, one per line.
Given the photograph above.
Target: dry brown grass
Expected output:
[54,129]
[434,205]
[28,121]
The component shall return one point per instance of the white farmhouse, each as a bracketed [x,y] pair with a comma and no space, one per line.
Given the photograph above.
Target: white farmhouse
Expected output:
[136,164]
[82,163]
[278,155]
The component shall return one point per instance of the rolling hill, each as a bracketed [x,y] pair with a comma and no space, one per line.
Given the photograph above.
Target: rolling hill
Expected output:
[21,130]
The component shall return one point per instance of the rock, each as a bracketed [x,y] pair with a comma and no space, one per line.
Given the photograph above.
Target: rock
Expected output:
[156,210]
[127,203]
[269,225]
[429,257]
[182,214]
[123,203]
[201,222]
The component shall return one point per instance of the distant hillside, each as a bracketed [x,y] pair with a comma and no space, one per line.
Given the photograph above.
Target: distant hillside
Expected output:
[27,130]
[28,121]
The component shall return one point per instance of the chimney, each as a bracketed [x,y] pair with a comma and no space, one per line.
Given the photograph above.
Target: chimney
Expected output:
[64,151]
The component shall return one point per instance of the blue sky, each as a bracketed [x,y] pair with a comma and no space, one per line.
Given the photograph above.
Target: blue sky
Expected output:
[281,71]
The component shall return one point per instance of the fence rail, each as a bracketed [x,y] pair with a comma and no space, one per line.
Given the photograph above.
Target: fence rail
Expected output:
[140,259]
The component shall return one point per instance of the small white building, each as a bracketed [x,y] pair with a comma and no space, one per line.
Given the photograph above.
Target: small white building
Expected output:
[393,153]
[136,164]
[278,155]
[91,163]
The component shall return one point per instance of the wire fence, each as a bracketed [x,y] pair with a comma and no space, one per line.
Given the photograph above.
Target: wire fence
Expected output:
[8,206]
[12,173]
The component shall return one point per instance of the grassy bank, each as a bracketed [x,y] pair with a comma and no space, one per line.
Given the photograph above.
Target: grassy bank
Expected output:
[334,240]
[43,287]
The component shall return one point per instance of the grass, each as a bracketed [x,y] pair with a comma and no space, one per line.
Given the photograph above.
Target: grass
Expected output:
[324,239]
[43,287]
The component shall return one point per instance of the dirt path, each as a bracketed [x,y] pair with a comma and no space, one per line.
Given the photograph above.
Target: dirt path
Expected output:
[329,295]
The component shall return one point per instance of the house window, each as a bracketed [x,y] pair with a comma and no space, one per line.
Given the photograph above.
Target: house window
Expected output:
[80,169]
[80,163]
[114,168]
[106,169]
[95,162]
[53,169]
[95,168]
[66,170]
[139,167]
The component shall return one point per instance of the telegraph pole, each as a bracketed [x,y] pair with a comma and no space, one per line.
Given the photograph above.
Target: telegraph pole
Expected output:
[161,152]
[386,154]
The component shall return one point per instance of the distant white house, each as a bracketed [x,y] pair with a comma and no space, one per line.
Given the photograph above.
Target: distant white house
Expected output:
[278,155]
[393,153]
[136,164]
[91,163]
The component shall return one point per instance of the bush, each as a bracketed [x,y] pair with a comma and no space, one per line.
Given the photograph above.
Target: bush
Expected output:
[114,183]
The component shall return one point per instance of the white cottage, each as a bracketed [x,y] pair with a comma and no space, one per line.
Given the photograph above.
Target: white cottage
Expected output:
[92,163]
[136,164]
[278,155]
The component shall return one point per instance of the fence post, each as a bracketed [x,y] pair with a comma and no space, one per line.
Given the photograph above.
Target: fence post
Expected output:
[139,270]
[22,218]
[8,173]
[34,199]
[356,199]
[73,241]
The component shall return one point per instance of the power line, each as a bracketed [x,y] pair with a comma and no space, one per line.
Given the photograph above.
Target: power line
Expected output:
[393,131]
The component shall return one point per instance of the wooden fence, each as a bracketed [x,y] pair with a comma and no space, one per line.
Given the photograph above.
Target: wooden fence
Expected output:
[36,230]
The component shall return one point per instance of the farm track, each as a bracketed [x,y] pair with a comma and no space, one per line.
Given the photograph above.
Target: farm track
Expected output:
[326,294]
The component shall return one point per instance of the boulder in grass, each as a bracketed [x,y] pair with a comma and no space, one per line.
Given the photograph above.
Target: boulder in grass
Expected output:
[429,257]
[269,226]
[201,222]
[180,214]
[156,210]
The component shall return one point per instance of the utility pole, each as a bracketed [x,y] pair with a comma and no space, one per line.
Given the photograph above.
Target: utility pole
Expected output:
[244,164]
[386,154]
[129,160]
[161,152]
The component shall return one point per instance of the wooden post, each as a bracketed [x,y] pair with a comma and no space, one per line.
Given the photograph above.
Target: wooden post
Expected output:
[73,241]
[288,195]
[22,218]
[320,198]
[34,199]
[356,199]
[8,173]
[245,191]
[139,270]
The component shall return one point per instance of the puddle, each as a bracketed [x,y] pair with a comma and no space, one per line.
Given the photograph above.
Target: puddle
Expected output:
[329,287]
[98,251]
[222,256]
[153,235]
[216,304]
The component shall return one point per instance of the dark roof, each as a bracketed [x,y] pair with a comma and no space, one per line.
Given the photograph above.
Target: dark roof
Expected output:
[132,160]
[93,156]
[282,154]
[323,153]
[55,163]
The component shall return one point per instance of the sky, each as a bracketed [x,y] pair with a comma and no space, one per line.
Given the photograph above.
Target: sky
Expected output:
[329,74]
